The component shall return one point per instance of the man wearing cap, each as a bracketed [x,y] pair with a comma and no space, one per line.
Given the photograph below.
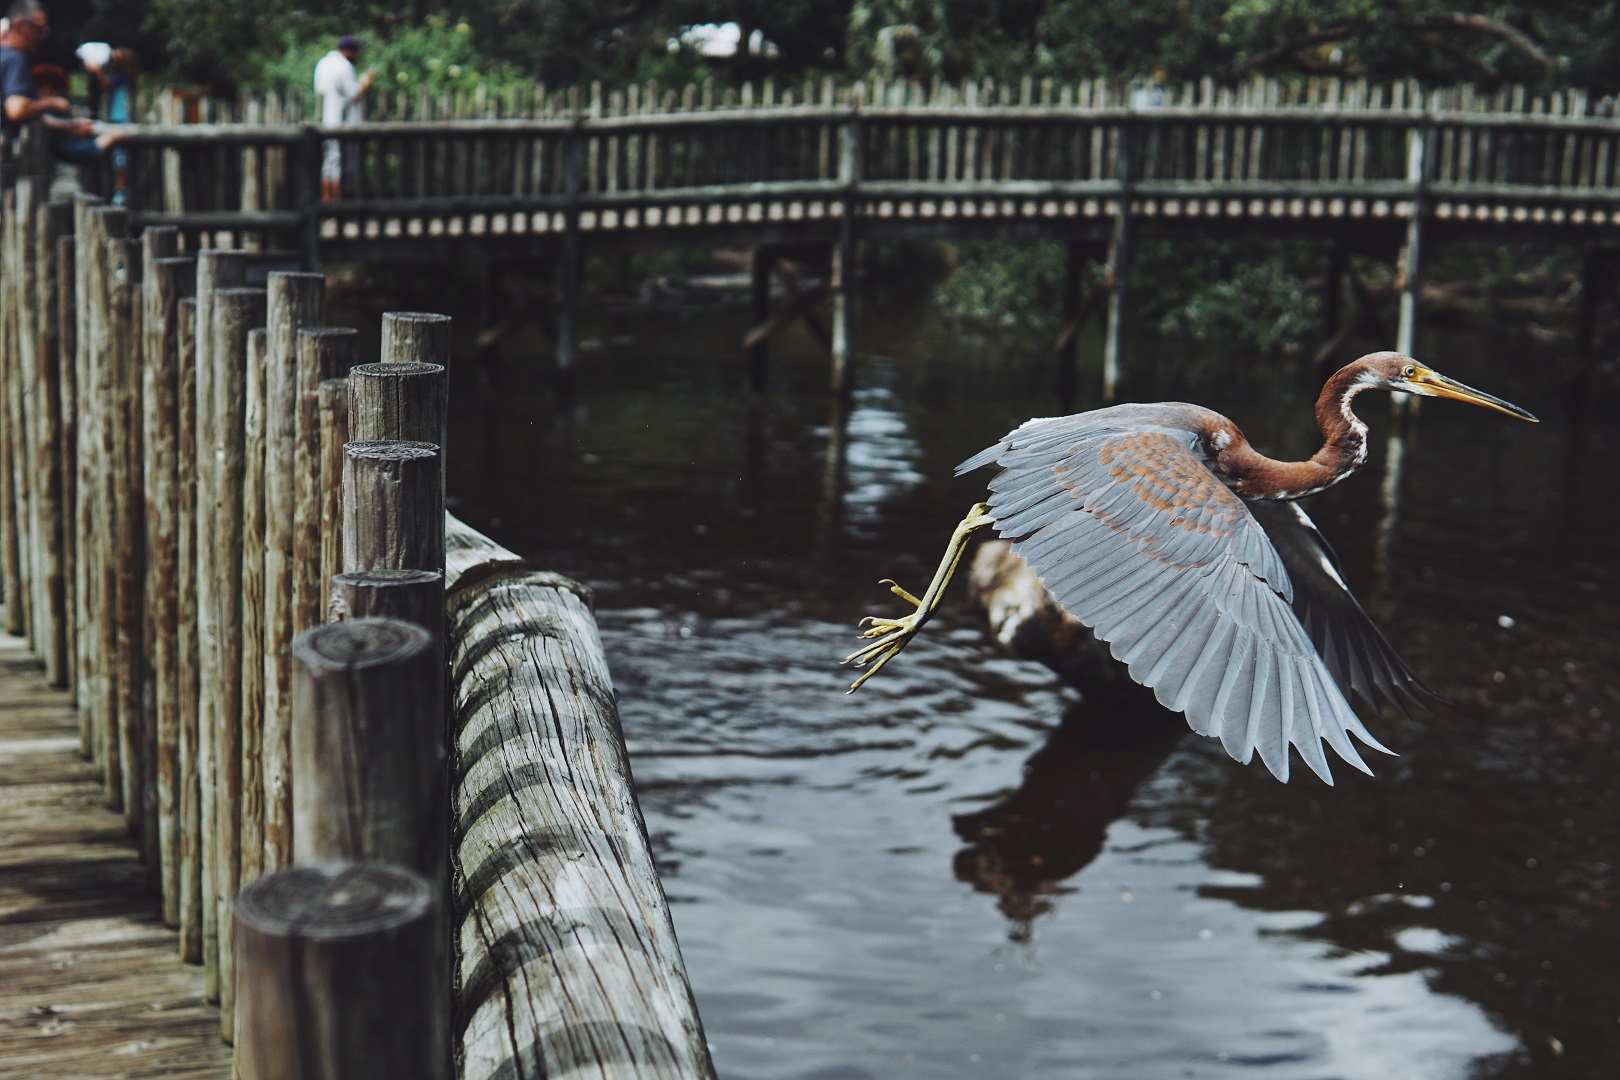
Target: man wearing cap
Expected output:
[341,91]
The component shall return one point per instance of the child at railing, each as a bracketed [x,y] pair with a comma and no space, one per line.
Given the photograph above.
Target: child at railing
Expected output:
[68,142]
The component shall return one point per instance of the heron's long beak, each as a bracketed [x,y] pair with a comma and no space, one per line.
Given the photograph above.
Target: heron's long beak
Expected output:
[1433,384]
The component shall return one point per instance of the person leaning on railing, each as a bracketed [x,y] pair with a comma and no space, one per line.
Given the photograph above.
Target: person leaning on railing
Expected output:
[20,102]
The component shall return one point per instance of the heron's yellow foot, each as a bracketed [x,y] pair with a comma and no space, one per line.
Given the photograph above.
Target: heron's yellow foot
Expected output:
[891,635]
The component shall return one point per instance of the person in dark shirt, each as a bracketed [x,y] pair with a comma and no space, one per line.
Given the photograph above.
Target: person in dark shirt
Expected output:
[19,99]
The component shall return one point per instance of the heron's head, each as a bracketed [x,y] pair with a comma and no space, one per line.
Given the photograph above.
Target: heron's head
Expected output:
[1397,371]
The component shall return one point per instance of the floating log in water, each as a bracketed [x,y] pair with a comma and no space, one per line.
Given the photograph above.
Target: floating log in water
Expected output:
[335,984]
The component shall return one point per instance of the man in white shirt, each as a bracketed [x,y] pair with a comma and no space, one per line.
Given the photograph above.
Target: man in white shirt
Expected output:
[341,91]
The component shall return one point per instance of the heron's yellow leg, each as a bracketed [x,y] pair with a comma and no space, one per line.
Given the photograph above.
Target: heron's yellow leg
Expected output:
[891,635]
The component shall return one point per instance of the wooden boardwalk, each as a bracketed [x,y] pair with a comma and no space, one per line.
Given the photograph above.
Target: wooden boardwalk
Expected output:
[90,981]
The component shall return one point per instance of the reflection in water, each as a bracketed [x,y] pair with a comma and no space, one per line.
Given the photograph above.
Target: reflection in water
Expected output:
[1076,785]
[1198,917]
[1389,496]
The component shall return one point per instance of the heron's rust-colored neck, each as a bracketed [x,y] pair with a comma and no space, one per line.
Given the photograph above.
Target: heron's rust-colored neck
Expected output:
[1344,448]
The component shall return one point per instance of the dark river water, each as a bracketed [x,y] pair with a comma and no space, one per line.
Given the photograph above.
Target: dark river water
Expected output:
[969,869]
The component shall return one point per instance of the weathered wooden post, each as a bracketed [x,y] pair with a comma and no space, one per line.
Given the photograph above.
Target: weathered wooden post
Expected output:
[235,312]
[50,458]
[297,300]
[325,352]
[416,596]
[255,643]
[11,580]
[336,976]
[368,745]
[168,281]
[101,405]
[334,421]
[393,506]
[75,262]
[401,400]
[125,547]
[30,194]
[194,838]
[216,270]
[67,327]
[417,337]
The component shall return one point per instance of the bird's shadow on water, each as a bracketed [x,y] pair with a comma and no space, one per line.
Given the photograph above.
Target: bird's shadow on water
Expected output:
[1025,846]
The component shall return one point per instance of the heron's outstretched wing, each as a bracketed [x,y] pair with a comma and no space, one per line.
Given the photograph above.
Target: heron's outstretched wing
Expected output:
[1353,649]
[1130,531]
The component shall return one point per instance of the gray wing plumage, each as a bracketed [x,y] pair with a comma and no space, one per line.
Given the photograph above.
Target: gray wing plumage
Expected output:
[1130,531]
[1354,650]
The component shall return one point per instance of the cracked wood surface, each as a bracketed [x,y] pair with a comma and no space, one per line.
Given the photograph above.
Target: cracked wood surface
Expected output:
[91,985]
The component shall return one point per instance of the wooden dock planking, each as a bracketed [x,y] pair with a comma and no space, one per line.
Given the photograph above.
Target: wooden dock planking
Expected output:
[90,981]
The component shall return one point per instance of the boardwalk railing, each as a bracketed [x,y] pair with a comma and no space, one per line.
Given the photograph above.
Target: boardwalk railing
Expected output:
[227,539]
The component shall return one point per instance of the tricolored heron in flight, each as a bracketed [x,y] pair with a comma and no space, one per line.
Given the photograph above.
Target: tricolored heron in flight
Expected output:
[1179,544]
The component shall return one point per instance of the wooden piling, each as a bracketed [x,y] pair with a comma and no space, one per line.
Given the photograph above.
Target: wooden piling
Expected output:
[11,526]
[402,400]
[216,270]
[368,745]
[325,352]
[336,963]
[415,337]
[103,224]
[50,458]
[255,639]
[296,300]
[193,837]
[30,194]
[416,596]
[393,506]
[125,547]
[235,312]
[334,422]
[67,328]
[168,281]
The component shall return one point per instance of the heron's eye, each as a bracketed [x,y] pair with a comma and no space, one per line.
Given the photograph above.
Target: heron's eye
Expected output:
[1408,371]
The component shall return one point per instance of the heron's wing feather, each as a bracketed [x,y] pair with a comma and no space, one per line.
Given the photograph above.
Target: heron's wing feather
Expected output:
[1135,537]
[1359,656]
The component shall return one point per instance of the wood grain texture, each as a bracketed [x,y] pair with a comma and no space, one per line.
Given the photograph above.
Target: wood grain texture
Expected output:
[296,300]
[254,637]
[326,352]
[334,418]
[334,976]
[470,555]
[67,329]
[216,270]
[236,312]
[11,577]
[51,222]
[393,506]
[398,401]
[90,986]
[554,879]
[104,226]
[416,596]
[192,836]
[168,281]
[126,543]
